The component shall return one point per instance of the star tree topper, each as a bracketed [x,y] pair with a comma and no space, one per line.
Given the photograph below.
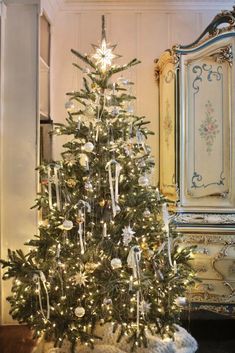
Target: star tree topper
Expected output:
[104,53]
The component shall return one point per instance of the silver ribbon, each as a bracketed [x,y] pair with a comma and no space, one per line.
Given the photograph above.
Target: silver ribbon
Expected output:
[133,261]
[82,225]
[53,178]
[42,279]
[114,193]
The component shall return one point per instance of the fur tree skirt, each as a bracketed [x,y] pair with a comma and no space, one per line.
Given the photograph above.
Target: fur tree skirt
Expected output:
[183,343]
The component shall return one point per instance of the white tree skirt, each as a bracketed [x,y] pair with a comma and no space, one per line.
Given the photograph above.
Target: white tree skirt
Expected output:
[183,343]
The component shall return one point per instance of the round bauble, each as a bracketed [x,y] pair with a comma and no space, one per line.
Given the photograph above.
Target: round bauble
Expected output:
[71,183]
[79,311]
[69,106]
[181,301]
[88,186]
[88,147]
[67,225]
[107,301]
[143,180]
[116,263]
[147,213]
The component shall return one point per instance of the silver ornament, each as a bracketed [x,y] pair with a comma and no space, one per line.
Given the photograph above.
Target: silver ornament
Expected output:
[181,301]
[127,233]
[88,186]
[69,106]
[79,311]
[143,180]
[116,263]
[88,147]
[107,301]
[147,213]
[67,225]
[115,111]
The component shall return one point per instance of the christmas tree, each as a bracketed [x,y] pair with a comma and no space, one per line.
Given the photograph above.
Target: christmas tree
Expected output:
[103,253]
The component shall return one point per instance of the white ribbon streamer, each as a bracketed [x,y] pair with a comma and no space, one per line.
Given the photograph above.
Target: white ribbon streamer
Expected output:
[138,313]
[49,187]
[42,279]
[114,193]
[141,140]
[56,180]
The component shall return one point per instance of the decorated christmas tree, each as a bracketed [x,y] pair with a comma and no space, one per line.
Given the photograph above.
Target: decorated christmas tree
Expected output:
[104,252]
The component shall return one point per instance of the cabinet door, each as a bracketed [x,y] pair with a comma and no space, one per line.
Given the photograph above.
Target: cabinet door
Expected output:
[207,127]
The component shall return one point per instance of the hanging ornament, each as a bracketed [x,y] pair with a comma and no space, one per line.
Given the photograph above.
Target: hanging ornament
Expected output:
[53,178]
[116,263]
[91,267]
[80,218]
[70,159]
[115,111]
[40,281]
[88,186]
[114,189]
[69,106]
[124,81]
[130,109]
[133,260]
[127,233]
[80,278]
[86,70]
[181,301]
[84,161]
[107,301]
[89,112]
[149,254]
[66,225]
[71,182]
[145,307]
[89,235]
[79,311]
[88,147]
[147,213]
[143,180]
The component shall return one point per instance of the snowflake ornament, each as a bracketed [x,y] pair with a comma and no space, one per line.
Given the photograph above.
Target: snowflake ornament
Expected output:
[127,234]
[145,307]
[80,278]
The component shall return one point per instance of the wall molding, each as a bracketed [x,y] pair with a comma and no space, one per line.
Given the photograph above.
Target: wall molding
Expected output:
[148,5]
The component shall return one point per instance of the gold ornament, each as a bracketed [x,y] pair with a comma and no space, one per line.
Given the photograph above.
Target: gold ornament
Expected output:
[80,278]
[91,267]
[71,183]
[80,218]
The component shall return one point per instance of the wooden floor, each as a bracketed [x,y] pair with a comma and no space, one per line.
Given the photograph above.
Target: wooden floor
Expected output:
[16,339]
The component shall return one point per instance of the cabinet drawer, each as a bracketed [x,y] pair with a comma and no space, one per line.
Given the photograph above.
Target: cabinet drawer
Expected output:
[212,291]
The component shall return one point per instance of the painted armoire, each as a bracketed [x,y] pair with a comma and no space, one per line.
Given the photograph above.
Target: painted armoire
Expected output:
[197,155]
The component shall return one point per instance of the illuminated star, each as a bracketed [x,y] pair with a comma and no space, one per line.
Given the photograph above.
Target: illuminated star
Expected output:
[104,53]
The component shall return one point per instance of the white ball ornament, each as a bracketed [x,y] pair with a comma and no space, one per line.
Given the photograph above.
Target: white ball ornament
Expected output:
[143,180]
[116,263]
[88,147]
[69,106]
[88,186]
[79,311]
[118,209]
[147,213]
[181,301]
[67,225]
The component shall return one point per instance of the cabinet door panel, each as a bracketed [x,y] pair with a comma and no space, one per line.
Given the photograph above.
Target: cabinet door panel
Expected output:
[167,130]
[207,127]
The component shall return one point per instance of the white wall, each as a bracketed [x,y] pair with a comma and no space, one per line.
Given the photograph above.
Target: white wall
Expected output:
[142,29]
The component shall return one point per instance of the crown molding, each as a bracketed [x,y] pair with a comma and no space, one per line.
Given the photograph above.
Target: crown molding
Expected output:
[143,5]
